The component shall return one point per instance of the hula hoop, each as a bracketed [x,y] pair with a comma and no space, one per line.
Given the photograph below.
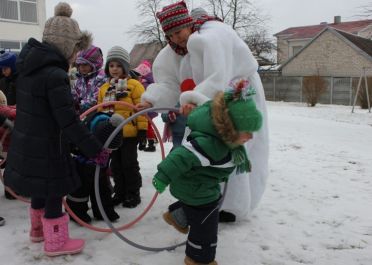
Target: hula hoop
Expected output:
[119,127]
[20,198]
[98,196]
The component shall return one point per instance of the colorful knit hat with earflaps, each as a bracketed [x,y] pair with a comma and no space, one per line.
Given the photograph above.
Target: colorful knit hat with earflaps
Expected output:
[174,17]
[92,56]
[237,114]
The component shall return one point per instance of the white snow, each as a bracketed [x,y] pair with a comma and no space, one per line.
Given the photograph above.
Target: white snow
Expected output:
[317,208]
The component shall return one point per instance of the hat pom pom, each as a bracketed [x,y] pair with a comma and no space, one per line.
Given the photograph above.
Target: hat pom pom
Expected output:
[239,89]
[63,9]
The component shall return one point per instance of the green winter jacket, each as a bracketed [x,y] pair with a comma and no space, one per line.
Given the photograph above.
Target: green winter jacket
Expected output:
[195,169]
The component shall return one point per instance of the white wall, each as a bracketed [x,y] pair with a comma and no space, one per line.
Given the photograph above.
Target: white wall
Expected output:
[20,31]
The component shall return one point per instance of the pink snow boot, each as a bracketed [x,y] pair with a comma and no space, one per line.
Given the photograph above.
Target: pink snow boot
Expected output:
[36,232]
[57,241]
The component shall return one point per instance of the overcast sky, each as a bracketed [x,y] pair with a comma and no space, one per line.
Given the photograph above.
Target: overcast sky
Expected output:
[109,20]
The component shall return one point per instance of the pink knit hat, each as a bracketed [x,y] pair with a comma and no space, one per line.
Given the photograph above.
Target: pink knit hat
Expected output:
[144,68]
[174,17]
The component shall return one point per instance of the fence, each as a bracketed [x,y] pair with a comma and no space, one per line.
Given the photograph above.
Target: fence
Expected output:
[340,90]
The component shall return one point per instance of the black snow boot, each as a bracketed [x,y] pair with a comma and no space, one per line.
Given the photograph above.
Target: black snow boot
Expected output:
[132,200]
[80,209]
[151,147]
[226,217]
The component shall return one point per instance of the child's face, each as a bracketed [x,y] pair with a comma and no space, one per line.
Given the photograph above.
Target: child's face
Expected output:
[181,36]
[85,69]
[7,71]
[243,138]
[116,70]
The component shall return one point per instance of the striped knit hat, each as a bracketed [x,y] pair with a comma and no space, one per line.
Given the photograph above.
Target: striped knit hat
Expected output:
[120,55]
[64,33]
[92,56]
[174,17]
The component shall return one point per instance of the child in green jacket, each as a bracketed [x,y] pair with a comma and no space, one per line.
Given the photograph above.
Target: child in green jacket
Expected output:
[213,150]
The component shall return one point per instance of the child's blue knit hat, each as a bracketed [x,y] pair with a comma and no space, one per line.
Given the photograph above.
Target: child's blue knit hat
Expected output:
[8,59]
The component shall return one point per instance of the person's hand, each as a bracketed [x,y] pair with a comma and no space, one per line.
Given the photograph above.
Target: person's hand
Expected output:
[8,124]
[102,158]
[187,108]
[172,116]
[143,105]
[141,137]
[159,185]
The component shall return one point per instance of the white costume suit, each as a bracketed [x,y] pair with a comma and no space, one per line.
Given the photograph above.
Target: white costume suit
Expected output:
[216,55]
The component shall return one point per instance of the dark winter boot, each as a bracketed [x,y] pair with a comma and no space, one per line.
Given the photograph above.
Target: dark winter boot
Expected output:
[80,209]
[132,200]
[151,147]
[142,146]
[110,212]
[226,217]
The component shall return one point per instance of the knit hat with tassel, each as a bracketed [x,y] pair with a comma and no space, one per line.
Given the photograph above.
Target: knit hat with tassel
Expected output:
[233,112]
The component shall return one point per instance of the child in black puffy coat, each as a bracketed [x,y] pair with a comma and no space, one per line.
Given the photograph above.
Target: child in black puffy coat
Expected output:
[101,125]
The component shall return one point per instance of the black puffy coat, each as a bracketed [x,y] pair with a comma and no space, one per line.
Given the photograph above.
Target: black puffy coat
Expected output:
[39,163]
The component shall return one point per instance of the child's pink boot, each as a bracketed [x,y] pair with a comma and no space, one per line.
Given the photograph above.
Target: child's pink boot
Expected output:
[57,241]
[36,232]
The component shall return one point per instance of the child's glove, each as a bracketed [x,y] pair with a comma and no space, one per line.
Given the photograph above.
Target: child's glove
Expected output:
[102,158]
[159,185]
[8,124]
[172,117]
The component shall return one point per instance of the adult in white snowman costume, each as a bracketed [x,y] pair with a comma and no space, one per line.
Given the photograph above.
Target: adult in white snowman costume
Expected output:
[202,57]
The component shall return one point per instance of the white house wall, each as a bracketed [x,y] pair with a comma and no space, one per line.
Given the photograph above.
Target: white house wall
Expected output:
[21,31]
[328,55]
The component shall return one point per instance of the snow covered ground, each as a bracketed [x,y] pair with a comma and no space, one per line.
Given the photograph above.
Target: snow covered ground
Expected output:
[317,208]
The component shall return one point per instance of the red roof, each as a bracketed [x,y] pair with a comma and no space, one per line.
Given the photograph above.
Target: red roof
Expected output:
[311,31]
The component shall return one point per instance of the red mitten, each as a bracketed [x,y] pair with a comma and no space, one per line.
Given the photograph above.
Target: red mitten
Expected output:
[187,84]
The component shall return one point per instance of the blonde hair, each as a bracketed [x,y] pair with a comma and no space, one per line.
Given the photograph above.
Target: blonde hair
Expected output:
[3,101]
[221,119]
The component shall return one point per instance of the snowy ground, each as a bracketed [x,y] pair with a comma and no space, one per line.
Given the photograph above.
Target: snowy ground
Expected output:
[317,208]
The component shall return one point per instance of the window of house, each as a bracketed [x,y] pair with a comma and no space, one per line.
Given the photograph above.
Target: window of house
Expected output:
[12,45]
[19,10]
[296,49]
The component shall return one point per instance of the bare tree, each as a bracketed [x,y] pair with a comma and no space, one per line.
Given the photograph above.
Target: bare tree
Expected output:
[365,11]
[242,15]
[260,43]
[247,21]
[149,30]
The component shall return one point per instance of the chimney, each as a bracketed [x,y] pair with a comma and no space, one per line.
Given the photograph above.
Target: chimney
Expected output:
[337,19]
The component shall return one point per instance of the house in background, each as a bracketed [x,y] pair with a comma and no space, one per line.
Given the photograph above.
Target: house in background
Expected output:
[331,53]
[144,51]
[290,41]
[339,52]
[20,20]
